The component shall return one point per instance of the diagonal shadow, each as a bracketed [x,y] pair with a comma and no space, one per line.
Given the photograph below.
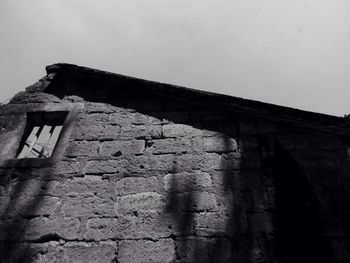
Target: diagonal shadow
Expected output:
[20,209]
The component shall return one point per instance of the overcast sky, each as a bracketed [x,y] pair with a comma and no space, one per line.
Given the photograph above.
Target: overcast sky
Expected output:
[289,52]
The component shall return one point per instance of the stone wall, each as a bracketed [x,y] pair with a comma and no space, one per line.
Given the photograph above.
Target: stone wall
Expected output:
[149,179]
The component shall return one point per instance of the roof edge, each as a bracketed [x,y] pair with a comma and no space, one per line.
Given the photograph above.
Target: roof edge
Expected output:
[218,100]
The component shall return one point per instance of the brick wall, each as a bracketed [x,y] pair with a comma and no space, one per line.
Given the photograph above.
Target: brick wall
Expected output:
[148,179]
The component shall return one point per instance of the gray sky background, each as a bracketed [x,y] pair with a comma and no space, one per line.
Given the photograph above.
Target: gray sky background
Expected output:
[294,53]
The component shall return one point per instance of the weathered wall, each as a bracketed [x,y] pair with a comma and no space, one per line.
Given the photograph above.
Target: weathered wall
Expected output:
[148,179]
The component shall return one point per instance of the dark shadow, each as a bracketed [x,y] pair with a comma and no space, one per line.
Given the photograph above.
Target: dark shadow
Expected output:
[297,219]
[179,205]
[20,209]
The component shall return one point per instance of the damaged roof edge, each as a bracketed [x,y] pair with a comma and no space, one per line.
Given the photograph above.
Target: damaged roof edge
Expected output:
[219,101]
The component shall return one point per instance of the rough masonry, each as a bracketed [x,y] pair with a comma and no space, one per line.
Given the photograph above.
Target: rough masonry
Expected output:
[149,172]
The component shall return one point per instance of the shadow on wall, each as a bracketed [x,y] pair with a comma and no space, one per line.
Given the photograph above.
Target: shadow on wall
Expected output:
[23,203]
[299,229]
[205,225]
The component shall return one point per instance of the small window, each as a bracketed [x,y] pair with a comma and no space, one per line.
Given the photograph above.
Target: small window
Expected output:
[41,135]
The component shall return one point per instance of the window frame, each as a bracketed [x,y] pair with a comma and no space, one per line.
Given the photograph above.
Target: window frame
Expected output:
[41,119]
[71,113]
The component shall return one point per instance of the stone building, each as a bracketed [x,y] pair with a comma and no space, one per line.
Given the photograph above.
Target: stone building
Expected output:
[100,167]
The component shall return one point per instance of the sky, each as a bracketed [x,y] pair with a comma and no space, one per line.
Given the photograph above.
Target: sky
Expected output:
[291,53]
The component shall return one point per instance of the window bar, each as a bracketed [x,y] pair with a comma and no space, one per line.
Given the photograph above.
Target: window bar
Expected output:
[44,152]
[34,141]
[25,148]
[36,151]
[54,138]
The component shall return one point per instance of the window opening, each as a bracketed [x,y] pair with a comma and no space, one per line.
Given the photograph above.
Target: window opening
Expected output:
[41,135]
